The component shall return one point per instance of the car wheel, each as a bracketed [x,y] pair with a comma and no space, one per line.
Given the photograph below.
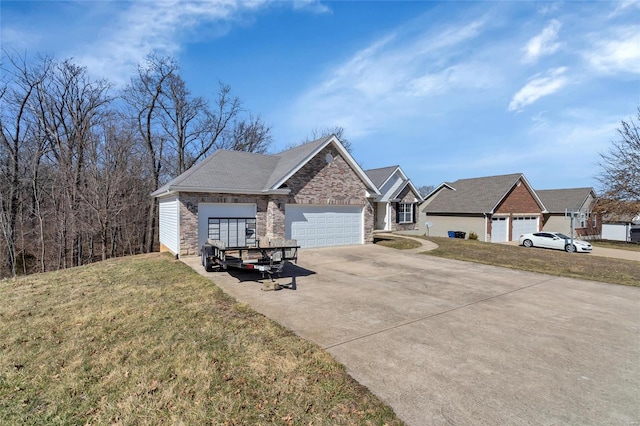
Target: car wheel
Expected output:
[569,248]
[527,243]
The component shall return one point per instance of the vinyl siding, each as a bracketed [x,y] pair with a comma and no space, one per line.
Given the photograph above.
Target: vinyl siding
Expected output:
[440,225]
[168,223]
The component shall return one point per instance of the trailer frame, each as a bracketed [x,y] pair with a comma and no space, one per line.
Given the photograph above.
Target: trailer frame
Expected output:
[268,259]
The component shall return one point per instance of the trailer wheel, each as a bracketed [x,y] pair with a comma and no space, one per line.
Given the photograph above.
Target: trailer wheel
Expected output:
[208,266]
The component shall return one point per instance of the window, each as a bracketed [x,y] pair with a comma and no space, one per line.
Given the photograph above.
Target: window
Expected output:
[405,213]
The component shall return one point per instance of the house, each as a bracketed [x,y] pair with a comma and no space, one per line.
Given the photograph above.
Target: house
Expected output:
[560,203]
[496,208]
[315,193]
[396,208]
[621,227]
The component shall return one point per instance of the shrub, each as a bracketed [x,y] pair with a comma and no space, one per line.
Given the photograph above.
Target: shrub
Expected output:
[473,236]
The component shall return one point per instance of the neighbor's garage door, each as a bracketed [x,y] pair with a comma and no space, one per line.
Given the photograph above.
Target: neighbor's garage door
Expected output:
[523,225]
[499,227]
[321,226]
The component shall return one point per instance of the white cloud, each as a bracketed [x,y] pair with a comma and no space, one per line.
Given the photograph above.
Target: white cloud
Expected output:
[548,8]
[387,79]
[460,76]
[621,53]
[314,6]
[152,26]
[539,86]
[544,43]
[624,6]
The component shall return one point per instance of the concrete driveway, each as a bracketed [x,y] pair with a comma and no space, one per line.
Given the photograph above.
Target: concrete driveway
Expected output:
[449,342]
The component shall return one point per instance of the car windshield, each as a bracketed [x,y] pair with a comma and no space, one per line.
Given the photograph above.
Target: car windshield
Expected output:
[563,236]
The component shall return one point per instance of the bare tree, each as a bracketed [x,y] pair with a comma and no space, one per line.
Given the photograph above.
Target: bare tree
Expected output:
[108,179]
[16,122]
[70,105]
[251,135]
[425,190]
[337,131]
[144,96]
[620,170]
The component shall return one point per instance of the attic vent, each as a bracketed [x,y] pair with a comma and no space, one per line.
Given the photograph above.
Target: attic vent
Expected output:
[518,183]
[329,158]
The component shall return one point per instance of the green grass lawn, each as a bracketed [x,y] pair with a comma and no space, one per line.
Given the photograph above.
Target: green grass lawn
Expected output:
[146,340]
[553,262]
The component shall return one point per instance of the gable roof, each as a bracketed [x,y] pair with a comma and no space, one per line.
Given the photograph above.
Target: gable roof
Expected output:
[559,200]
[381,176]
[476,195]
[249,173]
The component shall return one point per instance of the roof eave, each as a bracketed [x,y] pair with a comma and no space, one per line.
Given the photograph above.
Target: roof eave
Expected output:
[531,191]
[176,189]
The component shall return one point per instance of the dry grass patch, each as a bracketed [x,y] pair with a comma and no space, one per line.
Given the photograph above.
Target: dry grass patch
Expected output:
[145,340]
[397,242]
[619,245]
[553,262]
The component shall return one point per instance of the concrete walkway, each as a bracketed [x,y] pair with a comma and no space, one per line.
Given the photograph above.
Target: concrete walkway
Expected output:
[447,342]
[616,253]
[424,244]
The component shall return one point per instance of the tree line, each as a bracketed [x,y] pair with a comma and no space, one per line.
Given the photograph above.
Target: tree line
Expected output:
[78,158]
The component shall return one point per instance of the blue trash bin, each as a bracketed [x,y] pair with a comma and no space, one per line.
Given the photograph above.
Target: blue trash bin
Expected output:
[452,234]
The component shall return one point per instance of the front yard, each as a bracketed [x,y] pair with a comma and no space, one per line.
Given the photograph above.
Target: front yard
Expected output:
[553,262]
[146,340]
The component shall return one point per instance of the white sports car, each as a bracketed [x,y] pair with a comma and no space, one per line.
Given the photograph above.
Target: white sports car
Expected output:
[554,240]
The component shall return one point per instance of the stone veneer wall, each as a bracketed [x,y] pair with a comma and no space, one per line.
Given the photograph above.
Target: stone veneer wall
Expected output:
[319,182]
[406,196]
[315,183]
[189,216]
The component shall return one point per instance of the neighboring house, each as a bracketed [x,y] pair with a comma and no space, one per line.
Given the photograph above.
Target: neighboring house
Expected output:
[621,227]
[314,193]
[560,203]
[496,208]
[396,208]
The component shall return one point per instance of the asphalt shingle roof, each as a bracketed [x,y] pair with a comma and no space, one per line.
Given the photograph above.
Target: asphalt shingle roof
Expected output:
[379,176]
[475,195]
[557,200]
[242,171]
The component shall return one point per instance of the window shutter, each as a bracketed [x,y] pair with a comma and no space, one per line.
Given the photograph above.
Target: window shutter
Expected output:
[415,211]
[397,212]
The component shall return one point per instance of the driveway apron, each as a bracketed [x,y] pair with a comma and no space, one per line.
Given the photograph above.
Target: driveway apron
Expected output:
[450,342]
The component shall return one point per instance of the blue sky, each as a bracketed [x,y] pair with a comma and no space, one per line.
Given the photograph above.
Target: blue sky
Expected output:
[447,90]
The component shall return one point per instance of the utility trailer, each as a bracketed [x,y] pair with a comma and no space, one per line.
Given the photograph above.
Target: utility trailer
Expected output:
[267,257]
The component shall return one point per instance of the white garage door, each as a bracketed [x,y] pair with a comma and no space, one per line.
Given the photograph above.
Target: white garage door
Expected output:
[207,211]
[499,226]
[523,225]
[321,226]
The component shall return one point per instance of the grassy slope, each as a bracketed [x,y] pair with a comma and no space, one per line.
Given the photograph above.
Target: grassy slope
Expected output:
[145,340]
[553,262]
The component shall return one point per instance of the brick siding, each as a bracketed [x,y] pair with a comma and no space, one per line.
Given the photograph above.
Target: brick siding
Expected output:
[335,183]
[317,182]
[518,201]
